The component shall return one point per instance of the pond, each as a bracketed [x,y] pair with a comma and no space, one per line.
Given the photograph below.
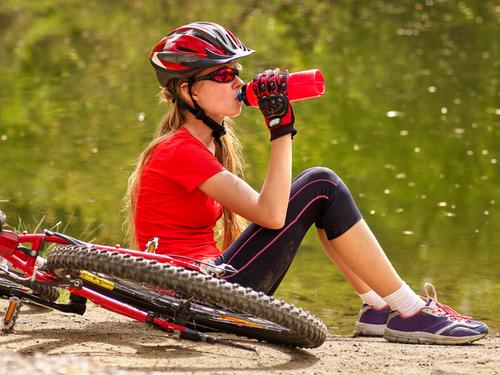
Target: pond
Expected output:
[409,121]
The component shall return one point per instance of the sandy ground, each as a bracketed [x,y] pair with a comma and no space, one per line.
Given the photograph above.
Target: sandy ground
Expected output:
[49,342]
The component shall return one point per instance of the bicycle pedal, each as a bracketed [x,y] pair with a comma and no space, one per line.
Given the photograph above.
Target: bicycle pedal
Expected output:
[11,314]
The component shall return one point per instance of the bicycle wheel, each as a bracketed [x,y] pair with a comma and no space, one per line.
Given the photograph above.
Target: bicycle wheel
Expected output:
[174,308]
[297,327]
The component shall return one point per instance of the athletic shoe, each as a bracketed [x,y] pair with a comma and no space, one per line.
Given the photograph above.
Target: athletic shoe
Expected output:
[371,321]
[435,323]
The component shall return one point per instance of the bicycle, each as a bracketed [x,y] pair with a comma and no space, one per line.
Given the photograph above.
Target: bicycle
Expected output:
[176,294]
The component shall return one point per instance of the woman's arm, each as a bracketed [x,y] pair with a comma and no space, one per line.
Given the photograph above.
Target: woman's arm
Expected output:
[267,208]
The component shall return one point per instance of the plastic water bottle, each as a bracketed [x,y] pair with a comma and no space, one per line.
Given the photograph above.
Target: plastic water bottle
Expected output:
[301,85]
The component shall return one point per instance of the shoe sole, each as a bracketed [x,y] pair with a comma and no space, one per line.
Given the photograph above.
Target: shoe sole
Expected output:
[428,338]
[368,330]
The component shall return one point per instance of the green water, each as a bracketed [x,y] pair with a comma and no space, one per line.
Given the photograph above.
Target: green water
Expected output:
[409,121]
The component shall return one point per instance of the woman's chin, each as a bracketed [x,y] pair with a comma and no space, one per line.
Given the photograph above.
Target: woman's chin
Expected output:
[236,113]
[229,114]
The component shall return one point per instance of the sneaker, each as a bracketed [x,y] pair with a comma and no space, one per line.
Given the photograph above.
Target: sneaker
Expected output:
[435,323]
[371,321]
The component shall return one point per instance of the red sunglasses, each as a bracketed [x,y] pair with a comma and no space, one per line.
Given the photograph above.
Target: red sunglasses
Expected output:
[222,75]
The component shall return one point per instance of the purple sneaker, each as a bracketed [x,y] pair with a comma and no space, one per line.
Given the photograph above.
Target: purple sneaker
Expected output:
[435,323]
[371,321]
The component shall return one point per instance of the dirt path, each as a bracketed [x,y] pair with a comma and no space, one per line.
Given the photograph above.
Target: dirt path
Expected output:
[103,343]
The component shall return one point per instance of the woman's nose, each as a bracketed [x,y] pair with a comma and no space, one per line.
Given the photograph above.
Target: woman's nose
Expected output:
[238,82]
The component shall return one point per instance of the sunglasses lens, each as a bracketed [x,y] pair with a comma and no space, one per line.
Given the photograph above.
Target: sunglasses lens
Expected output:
[225,75]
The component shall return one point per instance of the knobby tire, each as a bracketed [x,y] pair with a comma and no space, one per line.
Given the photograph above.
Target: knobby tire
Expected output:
[197,315]
[304,329]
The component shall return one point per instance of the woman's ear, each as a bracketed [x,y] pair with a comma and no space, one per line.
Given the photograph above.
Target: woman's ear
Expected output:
[185,93]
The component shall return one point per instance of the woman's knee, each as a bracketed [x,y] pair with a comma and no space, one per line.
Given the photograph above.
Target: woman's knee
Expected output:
[341,212]
[341,191]
[336,209]
[320,173]
[322,181]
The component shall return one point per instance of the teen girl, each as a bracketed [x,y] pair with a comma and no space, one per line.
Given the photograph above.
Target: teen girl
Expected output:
[187,179]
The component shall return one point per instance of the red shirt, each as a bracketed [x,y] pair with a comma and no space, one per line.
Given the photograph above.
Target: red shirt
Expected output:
[170,206]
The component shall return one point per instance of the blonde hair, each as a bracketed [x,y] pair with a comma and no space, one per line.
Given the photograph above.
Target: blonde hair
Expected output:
[229,155]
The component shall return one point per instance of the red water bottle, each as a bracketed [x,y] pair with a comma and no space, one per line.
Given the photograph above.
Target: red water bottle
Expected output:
[301,85]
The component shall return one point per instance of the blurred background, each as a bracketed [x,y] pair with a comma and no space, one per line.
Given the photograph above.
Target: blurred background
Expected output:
[409,121]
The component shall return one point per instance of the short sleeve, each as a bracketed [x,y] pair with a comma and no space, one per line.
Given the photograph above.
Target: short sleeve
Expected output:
[189,164]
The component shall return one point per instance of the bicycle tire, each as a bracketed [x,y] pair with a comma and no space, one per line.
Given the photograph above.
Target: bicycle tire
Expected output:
[305,330]
[48,292]
[193,314]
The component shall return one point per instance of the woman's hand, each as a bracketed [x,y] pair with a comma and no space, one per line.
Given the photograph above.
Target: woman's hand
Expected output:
[271,89]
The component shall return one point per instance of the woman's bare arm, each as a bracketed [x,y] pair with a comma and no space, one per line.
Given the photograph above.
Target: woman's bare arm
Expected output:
[267,208]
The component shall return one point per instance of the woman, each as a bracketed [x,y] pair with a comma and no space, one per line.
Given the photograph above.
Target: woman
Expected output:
[187,179]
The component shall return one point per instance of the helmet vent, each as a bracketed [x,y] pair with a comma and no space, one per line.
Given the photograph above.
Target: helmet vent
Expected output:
[184,49]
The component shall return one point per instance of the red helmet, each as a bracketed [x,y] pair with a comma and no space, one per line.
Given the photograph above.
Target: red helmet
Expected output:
[193,46]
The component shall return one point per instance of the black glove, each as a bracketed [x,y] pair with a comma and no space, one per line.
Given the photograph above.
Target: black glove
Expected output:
[271,90]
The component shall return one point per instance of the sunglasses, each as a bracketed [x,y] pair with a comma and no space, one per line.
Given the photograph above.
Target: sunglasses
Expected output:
[222,75]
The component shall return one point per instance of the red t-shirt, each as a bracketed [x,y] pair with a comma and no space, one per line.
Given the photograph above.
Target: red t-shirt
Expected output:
[170,206]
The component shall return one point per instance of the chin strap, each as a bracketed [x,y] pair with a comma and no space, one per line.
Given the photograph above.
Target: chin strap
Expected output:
[218,130]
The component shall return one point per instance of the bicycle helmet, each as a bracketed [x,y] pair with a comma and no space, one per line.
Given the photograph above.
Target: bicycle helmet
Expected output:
[193,46]
[190,48]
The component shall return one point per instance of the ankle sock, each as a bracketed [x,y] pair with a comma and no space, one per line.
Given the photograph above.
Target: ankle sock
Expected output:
[405,301]
[373,299]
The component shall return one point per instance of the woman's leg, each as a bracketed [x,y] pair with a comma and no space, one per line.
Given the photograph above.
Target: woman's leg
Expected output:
[318,196]
[359,285]
[367,295]
[363,262]
[360,258]
[263,256]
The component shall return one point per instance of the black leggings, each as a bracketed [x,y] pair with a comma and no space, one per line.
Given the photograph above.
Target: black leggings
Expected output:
[263,256]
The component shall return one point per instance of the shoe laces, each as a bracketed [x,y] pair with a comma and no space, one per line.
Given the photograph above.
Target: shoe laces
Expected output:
[441,308]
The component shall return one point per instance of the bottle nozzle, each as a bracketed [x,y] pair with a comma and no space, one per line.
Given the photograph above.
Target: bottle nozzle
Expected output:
[242,94]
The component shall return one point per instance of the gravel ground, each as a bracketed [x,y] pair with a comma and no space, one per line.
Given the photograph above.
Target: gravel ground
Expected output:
[100,342]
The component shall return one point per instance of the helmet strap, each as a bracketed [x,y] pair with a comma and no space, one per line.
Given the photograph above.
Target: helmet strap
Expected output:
[218,130]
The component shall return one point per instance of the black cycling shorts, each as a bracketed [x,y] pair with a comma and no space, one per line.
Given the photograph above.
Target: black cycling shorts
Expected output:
[262,256]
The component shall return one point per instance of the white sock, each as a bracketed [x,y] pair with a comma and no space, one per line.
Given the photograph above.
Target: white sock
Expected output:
[405,301]
[373,299]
